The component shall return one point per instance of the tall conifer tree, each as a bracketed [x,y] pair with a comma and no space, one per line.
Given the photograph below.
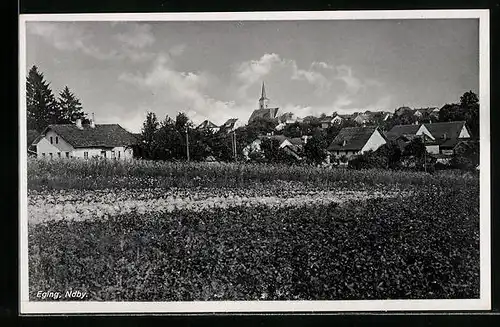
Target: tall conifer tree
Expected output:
[41,105]
[70,106]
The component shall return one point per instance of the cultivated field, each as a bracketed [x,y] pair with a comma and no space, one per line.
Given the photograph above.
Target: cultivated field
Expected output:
[155,231]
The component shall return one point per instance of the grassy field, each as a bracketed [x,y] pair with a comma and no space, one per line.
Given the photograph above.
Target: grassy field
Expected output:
[156,231]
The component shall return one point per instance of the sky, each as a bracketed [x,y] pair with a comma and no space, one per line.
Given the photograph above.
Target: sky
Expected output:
[214,69]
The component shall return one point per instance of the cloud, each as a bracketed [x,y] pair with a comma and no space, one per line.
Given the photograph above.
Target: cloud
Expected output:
[250,72]
[137,36]
[67,37]
[177,50]
[74,37]
[182,91]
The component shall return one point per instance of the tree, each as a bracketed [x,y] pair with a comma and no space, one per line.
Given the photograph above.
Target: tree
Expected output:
[469,99]
[182,121]
[392,152]
[315,148]
[263,125]
[41,106]
[149,138]
[466,156]
[293,130]
[273,153]
[166,137]
[467,109]
[415,154]
[70,106]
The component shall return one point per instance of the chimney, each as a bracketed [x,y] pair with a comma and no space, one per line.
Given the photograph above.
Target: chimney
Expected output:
[344,142]
[304,139]
[78,123]
[92,122]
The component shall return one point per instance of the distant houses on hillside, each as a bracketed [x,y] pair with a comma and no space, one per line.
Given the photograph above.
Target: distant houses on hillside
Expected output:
[365,133]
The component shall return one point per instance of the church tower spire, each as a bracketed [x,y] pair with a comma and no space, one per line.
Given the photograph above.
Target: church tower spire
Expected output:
[263,101]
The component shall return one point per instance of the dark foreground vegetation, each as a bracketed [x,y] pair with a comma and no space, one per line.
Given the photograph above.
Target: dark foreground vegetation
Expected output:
[410,247]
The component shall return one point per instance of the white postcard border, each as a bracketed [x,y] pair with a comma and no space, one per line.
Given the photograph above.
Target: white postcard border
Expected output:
[483,303]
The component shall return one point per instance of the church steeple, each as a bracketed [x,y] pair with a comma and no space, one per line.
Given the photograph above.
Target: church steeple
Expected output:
[263,101]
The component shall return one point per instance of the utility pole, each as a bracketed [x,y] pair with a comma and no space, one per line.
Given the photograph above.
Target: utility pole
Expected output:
[234,145]
[187,143]
[425,155]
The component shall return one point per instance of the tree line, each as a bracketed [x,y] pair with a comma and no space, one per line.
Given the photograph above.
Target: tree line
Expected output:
[42,106]
[169,139]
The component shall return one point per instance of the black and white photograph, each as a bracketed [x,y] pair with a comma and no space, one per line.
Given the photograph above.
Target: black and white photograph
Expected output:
[255,162]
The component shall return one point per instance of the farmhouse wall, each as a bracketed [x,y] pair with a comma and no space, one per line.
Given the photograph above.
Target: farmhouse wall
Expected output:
[44,148]
[374,142]
[464,133]
[424,130]
[432,149]
[114,153]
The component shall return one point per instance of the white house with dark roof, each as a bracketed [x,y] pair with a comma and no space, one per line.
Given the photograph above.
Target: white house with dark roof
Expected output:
[85,141]
[404,134]
[351,141]
[448,135]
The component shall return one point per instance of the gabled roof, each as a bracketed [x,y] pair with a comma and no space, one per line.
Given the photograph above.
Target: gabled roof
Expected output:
[229,123]
[31,136]
[355,138]
[399,130]
[450,129]
[102,135]
[268,113]
[207,124]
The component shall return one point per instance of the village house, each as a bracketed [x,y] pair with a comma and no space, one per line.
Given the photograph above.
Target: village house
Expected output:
[292,146]
[404,134]
[439,138]
[208,125]
[85,141]
[329,121]
[352,141]
[264,111]
[230,125]
[448,135]
[362,118]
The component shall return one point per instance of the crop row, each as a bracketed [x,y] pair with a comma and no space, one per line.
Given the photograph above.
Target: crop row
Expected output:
[83,205]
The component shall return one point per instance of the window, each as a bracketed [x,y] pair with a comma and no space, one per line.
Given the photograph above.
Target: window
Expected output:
[118,154]
[57,140]
[103,154]
[86,155]
[59,154]
[51,140]
[50,154]
[43,154]
[67,154]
